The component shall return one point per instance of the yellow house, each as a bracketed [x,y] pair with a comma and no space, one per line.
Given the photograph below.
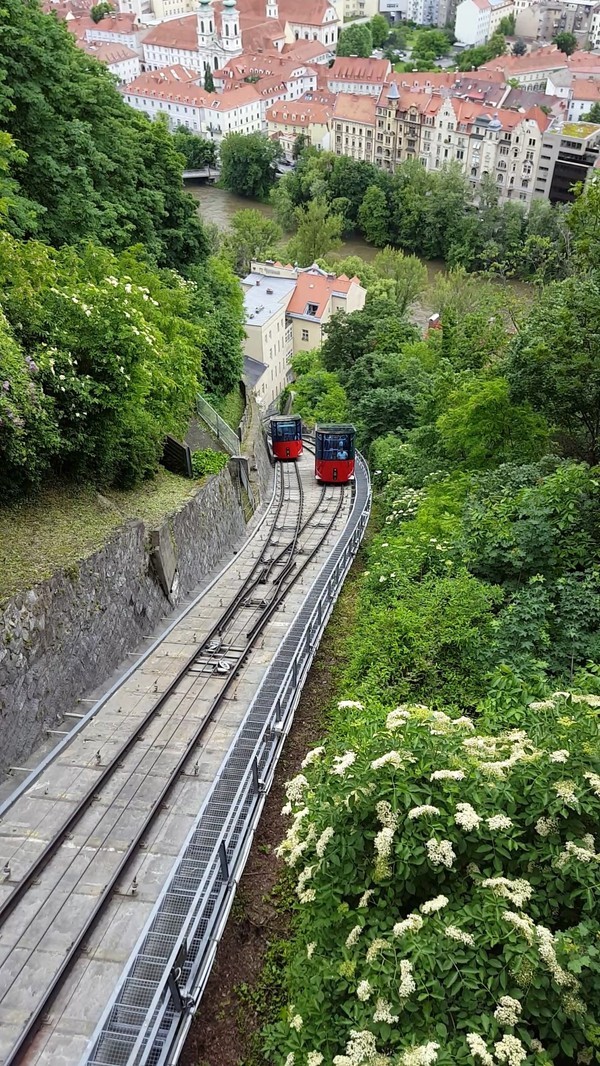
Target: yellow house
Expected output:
[310,115]
[286,309]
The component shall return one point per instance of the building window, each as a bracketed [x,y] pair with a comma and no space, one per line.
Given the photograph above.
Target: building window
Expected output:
[304,334]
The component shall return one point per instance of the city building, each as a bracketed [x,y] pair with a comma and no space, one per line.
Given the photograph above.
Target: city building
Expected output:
[121,61]
[311,116]
[543,20]
[477,20]
[285,310]
[353,9]
[297,77]
[352,74]
[353,124]
[570,154]
[123,29]
[584,93]
[177,93]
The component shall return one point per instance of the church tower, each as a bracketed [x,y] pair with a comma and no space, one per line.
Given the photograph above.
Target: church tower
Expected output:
[231,37]
[272,9]
[205,21]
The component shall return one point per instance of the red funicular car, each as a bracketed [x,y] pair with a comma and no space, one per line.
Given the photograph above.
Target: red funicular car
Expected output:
[334,452]
[286,436]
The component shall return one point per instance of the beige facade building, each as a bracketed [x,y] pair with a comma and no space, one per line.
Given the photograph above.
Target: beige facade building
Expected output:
[285,311]
[352,74]
[310,116]
[353,132]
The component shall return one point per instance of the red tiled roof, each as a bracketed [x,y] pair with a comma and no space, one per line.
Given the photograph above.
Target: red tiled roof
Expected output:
[180,85]
[587,89]
[355,107]
[353,68]
[175,33]
[317,289]
[107,52]
[300,113]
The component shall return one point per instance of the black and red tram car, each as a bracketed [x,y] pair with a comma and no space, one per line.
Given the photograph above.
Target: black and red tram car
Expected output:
[334,452]
[286,436]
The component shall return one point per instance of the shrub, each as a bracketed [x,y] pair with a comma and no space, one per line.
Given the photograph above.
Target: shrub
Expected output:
[208,462]
[447,883]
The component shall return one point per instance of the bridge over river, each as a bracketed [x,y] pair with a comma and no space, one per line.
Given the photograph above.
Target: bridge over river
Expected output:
[123,848]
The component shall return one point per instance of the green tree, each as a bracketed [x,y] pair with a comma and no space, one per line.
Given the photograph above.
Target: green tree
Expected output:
[481,426]
[567,42]
[197,151]
[554,363]
[593,115]
[98,11]
[373,216]
[216,305]
[300,145]
[209,81]
[407,272]
[248,164]
[318,233]
[252,236]
[430,44]
[507,25]
[355,40]
[519,48]
[380,29]
[91,168]
[583,222]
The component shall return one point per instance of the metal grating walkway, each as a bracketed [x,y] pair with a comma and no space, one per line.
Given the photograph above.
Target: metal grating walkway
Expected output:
[151,1009]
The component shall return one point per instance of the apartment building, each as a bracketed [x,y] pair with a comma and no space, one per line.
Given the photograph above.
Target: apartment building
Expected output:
[122,62]
[353,126]
[177,93]
[352,74]
[584,93]
[570,153]
[311,116]
[542,21]
[477,20]
[298,76]
[285,310]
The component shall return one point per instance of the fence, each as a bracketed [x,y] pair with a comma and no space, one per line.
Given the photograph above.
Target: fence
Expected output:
[152,1008]
[220,428]
[177,457]
[247,415]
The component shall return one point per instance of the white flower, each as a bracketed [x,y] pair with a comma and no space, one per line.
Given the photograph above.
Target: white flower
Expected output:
[585,854]
[510,1050]
[454,933]
[440,852]
[383,841]
[392,758]
[290,1059]
[594,780]
[378,945]
[295,788]
[315,1058]
[537,1047]
[353,936]
[548,955]
[412,924]
[360,1049]
[364,899]
[559,756]
[522,923]
[296,1023]
[466,817]
[517,891]
[585,1056]
[545,826]
[383,1012]
[420,1056]
[566,791]
[386,815]
[418,812]
[433,905]
[323,841]
[447,775]
[364,991]
[396,719]
[479,1050]
[508,1011]
[342,762]
[310,949]
[312,756]
[350,705]
[542,705]
[307,897]
[286,810]
[499,821]
[407,981]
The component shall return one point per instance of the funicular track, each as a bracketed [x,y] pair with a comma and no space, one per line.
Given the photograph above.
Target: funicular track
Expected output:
[40,897]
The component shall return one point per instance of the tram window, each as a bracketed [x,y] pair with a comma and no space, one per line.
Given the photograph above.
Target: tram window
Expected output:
[286,431]
[335,446]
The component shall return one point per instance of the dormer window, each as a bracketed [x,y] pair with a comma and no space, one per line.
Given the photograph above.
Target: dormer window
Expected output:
[311,309]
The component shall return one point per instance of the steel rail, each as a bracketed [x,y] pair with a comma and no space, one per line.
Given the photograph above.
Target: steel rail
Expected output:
[74,949]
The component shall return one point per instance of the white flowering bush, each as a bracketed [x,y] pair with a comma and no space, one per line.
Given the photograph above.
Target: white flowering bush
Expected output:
[447,882]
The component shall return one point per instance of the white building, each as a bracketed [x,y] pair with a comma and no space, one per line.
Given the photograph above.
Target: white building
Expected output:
[584,93]
[351,74]
[177,93]
[477,20]
[122,61]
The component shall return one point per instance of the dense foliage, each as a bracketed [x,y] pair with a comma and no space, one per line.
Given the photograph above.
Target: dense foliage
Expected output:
[248,163]
[433,215]
[208,461]
[88,166]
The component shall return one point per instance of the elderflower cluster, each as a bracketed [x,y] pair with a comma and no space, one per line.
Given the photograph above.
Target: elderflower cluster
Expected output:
[290,1060]
[594,780]
[350,705]
[419,812]
[296,1022]
[383,1012]
[559,756]
[566,791]
[545,942]
[542,705]
[323,841]
[310,949]
[478,1049]
[391,758]
[407,982]
[440,852]
[396,719]
[545,826]
[360,1049]
[466,817]
[522,923]
[312,756]
[353,936]
[364,899]
[517,891]
[315,1058]
[434,905]
[510,1050]
[454,933]
[447,775]
[584,854]
[342,762]
[499,821]
[303,877]
[424,1055]
[295,788]
[386,815]
[412,924]
[364,991]
[376,947]
[508,1011]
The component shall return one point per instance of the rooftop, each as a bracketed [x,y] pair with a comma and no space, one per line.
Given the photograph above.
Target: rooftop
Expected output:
[314,289]
[264,296]
[579,129]
[355,107]
[353,68]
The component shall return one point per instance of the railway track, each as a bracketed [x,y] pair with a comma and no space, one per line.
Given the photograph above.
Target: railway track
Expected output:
[51,908]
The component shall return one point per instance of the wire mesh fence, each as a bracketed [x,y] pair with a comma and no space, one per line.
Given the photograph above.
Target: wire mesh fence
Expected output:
[219,427]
